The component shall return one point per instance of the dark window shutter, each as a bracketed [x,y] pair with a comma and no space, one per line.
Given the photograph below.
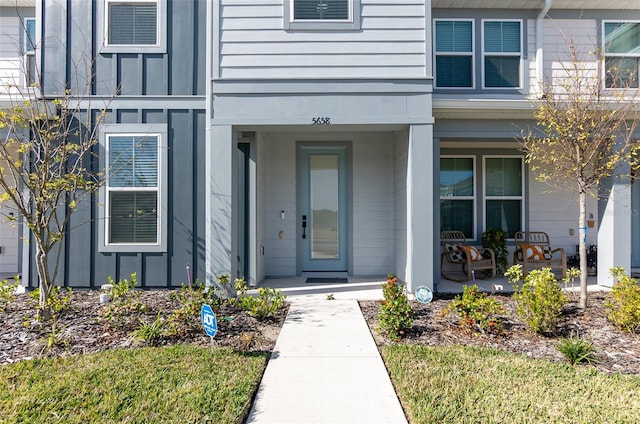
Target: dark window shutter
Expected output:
[133,24]
[337,10]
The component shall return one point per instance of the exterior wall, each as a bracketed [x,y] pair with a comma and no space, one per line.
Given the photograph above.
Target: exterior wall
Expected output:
[139,88]
[12,46]
[392,43]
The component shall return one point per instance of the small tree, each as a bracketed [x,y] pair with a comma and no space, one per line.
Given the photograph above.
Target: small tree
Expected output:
[46,165]
[584,134]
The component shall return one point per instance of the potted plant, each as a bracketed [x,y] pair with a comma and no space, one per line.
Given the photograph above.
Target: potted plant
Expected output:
[496,240]
[573,261]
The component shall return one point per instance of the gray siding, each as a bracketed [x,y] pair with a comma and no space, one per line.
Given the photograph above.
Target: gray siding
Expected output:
[392,43]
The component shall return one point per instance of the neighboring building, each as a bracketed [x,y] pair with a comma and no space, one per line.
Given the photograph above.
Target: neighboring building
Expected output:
[17,65]
[293,136]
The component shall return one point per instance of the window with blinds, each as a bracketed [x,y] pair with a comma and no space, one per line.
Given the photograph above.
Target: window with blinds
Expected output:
[622,54]
[503,193]
[132,23]
[133,189]
[457,194]
[321,10]
[502,54]
[454,53]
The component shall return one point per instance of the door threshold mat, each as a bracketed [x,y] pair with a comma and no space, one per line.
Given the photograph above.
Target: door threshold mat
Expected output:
[327,280]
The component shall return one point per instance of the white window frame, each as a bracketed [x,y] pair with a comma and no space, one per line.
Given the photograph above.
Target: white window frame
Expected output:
[137,130]
[475,189]
[291,24]
[519,54]
[161,29]
[29,48]
[621,55]
[472,54]
[484,189]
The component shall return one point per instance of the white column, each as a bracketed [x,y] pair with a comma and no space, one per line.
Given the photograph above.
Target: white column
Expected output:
[421,208]
[614,232]
[218,203]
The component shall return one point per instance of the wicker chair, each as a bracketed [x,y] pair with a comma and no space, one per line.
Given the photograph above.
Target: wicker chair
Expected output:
[455,251]
[533,251]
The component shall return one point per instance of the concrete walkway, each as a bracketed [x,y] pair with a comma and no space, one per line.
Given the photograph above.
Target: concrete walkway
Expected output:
[325,368]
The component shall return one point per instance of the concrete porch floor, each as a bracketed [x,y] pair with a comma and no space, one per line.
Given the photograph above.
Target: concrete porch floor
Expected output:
[370,288]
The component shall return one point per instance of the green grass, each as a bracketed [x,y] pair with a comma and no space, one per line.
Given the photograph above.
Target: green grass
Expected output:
[458,384]
[150,385]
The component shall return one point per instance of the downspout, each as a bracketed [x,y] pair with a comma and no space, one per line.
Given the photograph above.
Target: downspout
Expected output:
[540,46]
[209,278]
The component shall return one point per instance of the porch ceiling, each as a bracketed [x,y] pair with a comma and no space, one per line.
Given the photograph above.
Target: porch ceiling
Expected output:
[536,4]
[17,3]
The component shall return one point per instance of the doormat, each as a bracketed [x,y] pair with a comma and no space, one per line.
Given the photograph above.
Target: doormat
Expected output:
[327,280]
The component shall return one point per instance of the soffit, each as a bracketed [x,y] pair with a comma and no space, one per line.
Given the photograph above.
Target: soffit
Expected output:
[17,3]
[535,4]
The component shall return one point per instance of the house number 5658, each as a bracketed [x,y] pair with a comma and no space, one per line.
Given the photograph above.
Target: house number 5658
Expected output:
[321,121]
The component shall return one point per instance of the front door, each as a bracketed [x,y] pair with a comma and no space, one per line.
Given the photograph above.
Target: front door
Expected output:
[323,209]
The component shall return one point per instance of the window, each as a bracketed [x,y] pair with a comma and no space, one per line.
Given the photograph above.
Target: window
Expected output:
[131,26]
[30,51]
[454,53]
[321,14]
[503,193]
[622,54]
[134,197]
[457,194]
[502,54]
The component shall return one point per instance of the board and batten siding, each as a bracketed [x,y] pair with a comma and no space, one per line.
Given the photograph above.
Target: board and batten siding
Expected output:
[392,43]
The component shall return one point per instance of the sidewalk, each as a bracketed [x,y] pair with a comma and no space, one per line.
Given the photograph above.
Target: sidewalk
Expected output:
[325,368]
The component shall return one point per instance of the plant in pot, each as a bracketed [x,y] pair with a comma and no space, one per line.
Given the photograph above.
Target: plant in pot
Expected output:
[573,261]
[496,240]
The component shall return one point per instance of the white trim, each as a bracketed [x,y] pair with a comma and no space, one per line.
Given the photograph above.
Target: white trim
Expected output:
[471,54]
[135,130]
[291,24]
[161,30]
[484,189]
[520,55]
[475,189]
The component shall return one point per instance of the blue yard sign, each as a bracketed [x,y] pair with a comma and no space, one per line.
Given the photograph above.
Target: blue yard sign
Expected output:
[209,321]
[424,294]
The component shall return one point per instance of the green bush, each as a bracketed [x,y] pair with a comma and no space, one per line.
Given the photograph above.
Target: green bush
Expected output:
[264,305]
[577,351]
[125,306]
[150,332]
[476,310]
[7,295]
[57,302]
[396,315]
[623,303]
[186,319]
[539,300]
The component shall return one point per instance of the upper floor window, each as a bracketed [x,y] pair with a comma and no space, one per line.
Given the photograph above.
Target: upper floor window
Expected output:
[133,26]
[622,54]
[454,53]
[31,77]
[321,14]
[502,54]
[134,197]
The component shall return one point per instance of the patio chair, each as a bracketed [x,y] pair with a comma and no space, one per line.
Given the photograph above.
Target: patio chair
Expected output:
[533,251]
[456,252]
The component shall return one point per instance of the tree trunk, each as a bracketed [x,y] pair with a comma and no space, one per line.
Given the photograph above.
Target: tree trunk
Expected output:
[582,234]
[45,286]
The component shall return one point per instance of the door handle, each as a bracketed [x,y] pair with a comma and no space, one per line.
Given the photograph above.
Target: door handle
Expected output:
[304,226]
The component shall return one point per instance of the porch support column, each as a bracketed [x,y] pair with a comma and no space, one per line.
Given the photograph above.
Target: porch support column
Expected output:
[614,231]
[219,203]
[422,218]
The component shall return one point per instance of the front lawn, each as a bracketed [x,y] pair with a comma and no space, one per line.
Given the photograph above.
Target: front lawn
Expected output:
[177,383]
[460,384]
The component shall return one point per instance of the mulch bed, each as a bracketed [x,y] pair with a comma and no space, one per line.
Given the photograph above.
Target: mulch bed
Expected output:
[616,350]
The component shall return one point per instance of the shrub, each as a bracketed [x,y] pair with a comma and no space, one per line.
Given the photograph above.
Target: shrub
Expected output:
[264,305]
[186,318]
[577,351]
[476,310]
[396,315]
[151,332]
[496,240]
[623,302]
[539,300]
[7,293]
[57,302]
[125,306]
